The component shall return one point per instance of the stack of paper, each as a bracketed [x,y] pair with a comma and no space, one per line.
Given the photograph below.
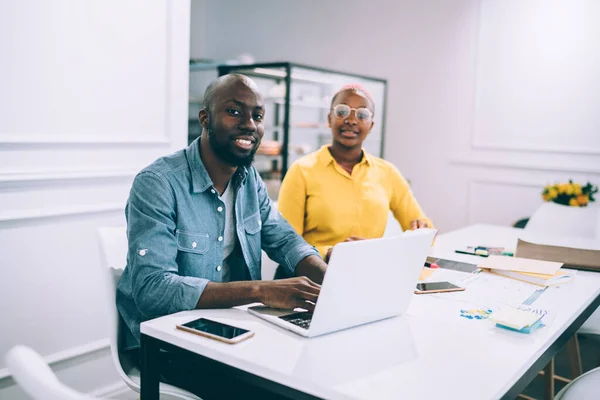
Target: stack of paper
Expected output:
[543,273]
[562,276]
[517,320]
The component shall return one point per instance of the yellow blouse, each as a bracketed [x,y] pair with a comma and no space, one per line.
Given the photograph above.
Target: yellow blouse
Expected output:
[326,205]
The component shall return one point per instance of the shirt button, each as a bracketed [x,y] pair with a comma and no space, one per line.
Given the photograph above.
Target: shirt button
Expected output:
[218,268]
[220,209]
[194,245]
[213,191]
[220,238]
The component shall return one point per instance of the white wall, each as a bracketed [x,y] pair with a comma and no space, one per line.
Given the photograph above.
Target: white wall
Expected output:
[91,92]
[438,58]
[535,118]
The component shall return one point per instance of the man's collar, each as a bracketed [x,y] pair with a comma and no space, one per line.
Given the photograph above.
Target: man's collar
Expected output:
[200,179]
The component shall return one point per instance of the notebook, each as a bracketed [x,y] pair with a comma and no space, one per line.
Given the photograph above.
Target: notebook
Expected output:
[559,249]
[562,276]
[521,264]
[515,319]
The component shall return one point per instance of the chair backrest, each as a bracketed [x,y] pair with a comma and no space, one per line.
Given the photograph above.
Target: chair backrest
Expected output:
[113,246]
[34,376]
[113,253]
[586,386]
[551,218]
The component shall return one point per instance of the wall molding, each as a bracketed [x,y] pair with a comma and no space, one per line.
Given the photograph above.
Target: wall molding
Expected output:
[508,182]
[177,73]
[495,181]
[123,139]
[55,212]
[69,354]
[475,144]
[525,166]
[23,176]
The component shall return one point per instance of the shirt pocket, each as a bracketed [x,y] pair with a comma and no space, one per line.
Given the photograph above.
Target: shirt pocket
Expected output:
[253,224]
[192,242]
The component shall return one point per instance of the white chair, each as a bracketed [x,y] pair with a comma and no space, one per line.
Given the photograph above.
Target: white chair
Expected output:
[552,218]
[113,249]
[36,378]
[585,387]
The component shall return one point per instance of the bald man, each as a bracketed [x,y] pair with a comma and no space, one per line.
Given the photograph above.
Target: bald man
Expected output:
[198,219]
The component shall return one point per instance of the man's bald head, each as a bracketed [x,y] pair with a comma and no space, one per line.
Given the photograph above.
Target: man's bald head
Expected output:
[224,84]
[232,119]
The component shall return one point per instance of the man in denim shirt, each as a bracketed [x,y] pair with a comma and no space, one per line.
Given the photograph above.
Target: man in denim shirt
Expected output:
[198,219]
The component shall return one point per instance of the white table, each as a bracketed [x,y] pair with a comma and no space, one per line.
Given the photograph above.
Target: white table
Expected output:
[428,353]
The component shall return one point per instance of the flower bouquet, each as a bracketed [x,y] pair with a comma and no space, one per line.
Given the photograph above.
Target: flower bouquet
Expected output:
[570,194]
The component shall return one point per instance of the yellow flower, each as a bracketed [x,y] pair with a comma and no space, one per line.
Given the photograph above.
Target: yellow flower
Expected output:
[582,199]
[563,187]
[552,193]
[546,197]
[573,202]
[576,189]
[570,189]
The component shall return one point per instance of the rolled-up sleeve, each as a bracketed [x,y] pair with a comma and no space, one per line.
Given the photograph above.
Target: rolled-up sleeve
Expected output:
[157,287]
[279,240]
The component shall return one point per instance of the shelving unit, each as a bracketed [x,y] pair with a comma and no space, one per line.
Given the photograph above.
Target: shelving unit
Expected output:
[201,74]
[297,101]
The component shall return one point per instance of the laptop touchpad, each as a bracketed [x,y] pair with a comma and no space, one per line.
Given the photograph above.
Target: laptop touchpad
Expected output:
[276,312]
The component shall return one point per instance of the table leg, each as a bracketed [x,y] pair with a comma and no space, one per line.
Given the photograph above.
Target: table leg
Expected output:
[574,356]
[149,371]
[549,381]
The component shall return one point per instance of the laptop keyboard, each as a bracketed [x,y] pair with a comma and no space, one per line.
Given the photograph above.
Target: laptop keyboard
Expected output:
[301,319]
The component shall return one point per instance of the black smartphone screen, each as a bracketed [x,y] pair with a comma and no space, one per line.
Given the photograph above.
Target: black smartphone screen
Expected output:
[215,328]
[424,287]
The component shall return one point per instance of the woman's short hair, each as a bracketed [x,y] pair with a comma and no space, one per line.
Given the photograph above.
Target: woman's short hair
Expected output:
[356,88]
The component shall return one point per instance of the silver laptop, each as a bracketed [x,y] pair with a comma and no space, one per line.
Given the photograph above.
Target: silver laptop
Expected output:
[366,281]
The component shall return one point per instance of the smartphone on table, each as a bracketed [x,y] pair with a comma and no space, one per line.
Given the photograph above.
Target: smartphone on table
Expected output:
[437,287]
[216,330]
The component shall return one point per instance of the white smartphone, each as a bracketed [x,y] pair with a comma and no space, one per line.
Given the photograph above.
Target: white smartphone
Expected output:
[216,330]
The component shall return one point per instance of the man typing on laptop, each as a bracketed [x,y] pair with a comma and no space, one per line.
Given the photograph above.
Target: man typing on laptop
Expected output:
[196,223]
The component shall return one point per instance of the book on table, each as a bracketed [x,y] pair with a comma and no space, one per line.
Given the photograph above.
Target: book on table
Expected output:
[561,276]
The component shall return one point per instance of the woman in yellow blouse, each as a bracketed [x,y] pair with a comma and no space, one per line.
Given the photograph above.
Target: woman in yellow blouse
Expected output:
[340,192]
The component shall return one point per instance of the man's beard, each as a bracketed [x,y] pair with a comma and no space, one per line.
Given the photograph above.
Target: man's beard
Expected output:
[226,153]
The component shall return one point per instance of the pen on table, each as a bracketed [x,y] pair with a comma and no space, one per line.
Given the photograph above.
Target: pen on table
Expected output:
[482,250]
[480,253]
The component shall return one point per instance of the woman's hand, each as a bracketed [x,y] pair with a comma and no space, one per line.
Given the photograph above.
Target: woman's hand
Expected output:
[418,224]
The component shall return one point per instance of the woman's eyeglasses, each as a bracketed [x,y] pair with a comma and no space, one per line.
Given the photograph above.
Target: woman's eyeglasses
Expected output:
[362,114]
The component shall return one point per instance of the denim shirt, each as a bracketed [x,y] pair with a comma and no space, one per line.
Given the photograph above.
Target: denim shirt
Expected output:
[174,219]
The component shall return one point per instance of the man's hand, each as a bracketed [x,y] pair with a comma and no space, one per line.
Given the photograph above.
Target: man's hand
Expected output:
[349,239]
[290,293]
[418,224]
